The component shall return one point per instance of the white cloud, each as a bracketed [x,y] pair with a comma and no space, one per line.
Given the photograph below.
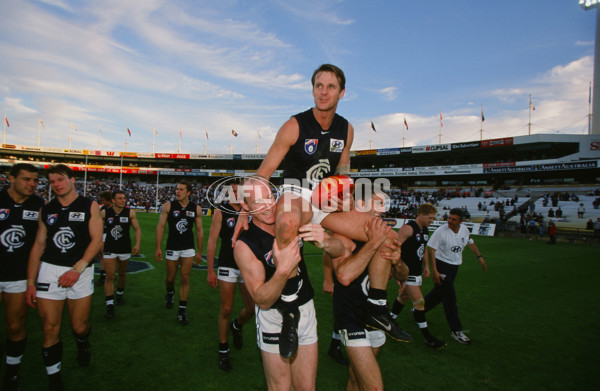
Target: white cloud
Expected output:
[389,92]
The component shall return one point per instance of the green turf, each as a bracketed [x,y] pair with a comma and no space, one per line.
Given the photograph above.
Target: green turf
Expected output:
[533,318]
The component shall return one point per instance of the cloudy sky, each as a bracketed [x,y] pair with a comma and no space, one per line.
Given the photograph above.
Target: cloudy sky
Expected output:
[207,67]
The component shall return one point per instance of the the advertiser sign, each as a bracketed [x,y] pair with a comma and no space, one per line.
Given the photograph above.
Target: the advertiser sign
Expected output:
[474,144]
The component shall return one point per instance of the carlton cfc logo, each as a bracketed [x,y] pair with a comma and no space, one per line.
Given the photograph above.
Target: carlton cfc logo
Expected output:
[13,238]
[4,214]
[64,239]
[175,213]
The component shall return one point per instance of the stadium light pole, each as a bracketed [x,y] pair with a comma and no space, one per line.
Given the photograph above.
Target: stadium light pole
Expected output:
[588,5]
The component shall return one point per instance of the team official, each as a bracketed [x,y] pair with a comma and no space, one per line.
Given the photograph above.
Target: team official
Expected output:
[446,246]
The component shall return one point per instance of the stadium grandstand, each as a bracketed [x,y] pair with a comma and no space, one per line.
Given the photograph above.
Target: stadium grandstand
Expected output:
[504,181]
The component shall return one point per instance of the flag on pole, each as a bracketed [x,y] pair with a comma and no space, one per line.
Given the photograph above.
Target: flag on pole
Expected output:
[129,132]
[405,123]
[42,124]
[234,133]
[373,127]
[155,132]
[482,117]
[258,132]
[441,120]
[180,134]
[73,126]
[6,121]
[206,134]
[531,103]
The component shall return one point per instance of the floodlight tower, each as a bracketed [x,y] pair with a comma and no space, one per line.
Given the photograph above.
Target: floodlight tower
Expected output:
[588,5]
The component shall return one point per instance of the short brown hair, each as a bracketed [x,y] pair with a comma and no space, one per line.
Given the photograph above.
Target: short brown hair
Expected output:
[426,209]
[61,169]
[187,185]
[339,74]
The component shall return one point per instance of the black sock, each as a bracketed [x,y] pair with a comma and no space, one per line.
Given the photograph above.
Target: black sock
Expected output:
[237,325]
[419,316]
[223,347]
[182,306]
[52,357]
[14,354]
[110,300]
[120,292]
[102,273]
[397,307]
[334,343]
[377,302]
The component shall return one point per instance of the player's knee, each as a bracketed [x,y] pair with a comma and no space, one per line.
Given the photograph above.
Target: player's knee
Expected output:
[50,330]
[419,304]
[226,310]
[286,226]
[15,326]
[80,327]
[184,279]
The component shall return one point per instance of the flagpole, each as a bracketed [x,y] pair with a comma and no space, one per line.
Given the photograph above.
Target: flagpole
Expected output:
[371,136]
[441,126]
[40,132]
[590,111]
[205,140]
[121,169]
[481,132]
[157,177]
[403,136]
[4,130]
[153,138]
[85,176]
[529,124]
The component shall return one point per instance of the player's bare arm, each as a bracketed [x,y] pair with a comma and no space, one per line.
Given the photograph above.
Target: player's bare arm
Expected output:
[199,234]
[285,138]
[34,261]
[160,230]
[135,223]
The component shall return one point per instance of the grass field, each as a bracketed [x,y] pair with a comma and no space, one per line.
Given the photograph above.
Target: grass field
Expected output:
[534,319]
